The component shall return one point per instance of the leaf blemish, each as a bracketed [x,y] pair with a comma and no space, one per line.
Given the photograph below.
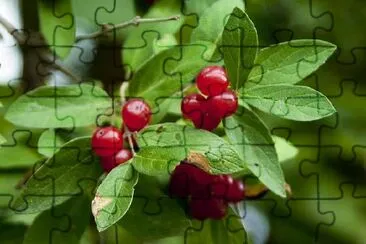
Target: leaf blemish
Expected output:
[160,129]
[99,203]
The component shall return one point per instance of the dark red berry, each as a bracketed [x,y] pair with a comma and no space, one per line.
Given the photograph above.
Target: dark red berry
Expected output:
[136,114]
[192,106]
[220,186]
[107,141]
[110,162]
[187,180]
[207,121]
[202,209]
[212,80]
[235,192]
[224,104]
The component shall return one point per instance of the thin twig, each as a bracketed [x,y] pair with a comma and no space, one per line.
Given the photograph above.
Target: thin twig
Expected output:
[135,21]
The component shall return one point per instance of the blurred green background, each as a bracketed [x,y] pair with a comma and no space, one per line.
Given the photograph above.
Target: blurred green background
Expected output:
[327,177]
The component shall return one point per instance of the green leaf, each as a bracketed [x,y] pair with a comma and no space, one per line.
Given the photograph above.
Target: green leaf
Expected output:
[285,150]
[71,171]
[213,20]
[166,73]
[228,230]
[138,47]
[57,24]
[254,144]
[176,141]
[299,103]
[114,196]
[59,107]
[240,46]
[164,215]
[50,142]
[71,218]
[289,62]
[154,161]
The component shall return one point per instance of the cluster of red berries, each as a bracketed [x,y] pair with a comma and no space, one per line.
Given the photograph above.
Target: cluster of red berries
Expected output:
[208,195]
[218,102]
[107,142]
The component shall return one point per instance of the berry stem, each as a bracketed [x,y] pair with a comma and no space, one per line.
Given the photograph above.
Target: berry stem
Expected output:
[134,21]
[127,133]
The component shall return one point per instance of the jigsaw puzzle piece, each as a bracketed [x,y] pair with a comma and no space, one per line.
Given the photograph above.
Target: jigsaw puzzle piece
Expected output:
[57,24]
[331,171]
[300,219]
[349,212]
[346,132]
[64,223]
[48,187]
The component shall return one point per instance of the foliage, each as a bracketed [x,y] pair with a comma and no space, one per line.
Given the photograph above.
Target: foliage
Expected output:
[265,80]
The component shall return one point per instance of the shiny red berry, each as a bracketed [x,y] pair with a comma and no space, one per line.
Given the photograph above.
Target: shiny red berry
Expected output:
[107,141]
[192,106]
[136,114]
[110,162]
[235,192]
[212,80]
[202,209]
[224,104]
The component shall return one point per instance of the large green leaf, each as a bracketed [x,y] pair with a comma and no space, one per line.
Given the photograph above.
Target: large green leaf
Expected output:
[240,46]
[175,142]
[70,219]
[53,107]
[254,144]
[213,20]
[289,62]
[228,230]
[299,103]
[157,161]
[138,47]
[49,142]
[57,23]
[114,196]
[70,172]
[167,73]
[164,215]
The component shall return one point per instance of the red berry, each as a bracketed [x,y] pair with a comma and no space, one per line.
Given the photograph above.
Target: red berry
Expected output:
[207,121]
[224,104]
[202,209]
[192,106]
[136,114]
[107,141]
[220,186]
[212,80]
[235,192]
[109,163]
[187,180]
